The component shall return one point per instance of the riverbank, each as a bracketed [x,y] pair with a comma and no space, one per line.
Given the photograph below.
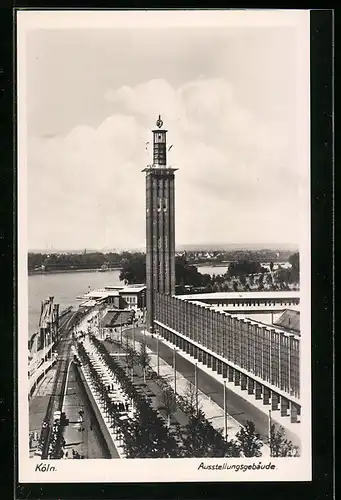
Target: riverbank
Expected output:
[33,272]
[210,264]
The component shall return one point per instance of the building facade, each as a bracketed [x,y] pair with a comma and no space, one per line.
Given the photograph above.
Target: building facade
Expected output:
[262,359]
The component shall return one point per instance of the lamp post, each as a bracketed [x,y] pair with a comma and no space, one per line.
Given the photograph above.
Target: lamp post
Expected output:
[157,356]
[196,386]
[174,367]
[225,412]
[269,431]
[134,336]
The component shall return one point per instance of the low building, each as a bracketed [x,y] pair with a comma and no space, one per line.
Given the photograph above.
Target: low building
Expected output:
[134,296]
[120,297]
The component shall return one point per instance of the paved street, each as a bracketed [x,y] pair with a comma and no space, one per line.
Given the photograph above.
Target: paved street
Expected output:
[237,407]
[86,437]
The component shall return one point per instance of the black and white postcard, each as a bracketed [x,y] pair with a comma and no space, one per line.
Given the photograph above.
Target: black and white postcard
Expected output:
[164,246]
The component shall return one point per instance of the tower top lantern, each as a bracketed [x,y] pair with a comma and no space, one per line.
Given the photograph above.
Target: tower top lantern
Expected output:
[159,122]
[159,145]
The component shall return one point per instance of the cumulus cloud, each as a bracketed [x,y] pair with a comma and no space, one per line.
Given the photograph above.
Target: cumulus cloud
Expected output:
[88,189]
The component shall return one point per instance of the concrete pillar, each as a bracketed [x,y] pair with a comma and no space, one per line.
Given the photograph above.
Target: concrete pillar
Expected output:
[204,357]
[266,395]
[250,385]
[209,360]
[284,407]
[243,381]
[230,374]
[294,412]
[236,377]
[214,363]
[219,366]
[200,355]
[274,400]
[258,390]
[224,370]
[187,347]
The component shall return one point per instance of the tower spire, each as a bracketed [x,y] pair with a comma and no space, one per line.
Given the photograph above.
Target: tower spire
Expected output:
[160,224]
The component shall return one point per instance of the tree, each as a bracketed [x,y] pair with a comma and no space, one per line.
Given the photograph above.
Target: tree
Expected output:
[268,279]
[190,397]
[131,359]
[242,280]
[201,439]
[279,445]
[294,260]
[235,286]
[249,440]
[244,267]
[143,358]
[271,266]
[168,401]
[261,283]
[134,269]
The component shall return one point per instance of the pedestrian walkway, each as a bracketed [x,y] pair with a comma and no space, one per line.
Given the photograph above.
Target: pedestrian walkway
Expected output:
[149,389]
[213,412]
[37,408]
[81,434]
[154,394]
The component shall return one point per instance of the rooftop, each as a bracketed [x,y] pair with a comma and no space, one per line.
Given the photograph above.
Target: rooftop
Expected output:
[241,295]
[289,320]
[133,289]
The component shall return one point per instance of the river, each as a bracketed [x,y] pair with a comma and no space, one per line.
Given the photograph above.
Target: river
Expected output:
[66,287]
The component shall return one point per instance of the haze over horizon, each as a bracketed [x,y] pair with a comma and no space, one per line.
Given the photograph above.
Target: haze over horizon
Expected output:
[228,97]
[179,248]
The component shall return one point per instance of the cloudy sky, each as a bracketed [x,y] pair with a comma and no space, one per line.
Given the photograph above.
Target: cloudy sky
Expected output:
[228,97]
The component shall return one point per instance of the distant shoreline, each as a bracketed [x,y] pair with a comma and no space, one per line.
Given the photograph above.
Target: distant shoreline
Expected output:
[210,264]
[33,272]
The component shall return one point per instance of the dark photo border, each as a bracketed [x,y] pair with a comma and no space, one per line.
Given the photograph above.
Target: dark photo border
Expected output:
[322,277]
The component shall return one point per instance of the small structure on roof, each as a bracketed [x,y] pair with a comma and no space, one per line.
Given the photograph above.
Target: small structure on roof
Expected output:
[289,320]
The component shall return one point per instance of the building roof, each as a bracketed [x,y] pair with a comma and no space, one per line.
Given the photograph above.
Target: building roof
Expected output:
[101,294]
[241,295]
[290,320]
[133,289]
[117,318]
[88,303]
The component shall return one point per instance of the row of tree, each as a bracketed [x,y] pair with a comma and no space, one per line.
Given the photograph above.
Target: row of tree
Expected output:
[145,435]
[133,269]
[199,438]
[84,260]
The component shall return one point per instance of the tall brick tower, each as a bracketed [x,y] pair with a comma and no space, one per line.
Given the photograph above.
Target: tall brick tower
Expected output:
[160,219]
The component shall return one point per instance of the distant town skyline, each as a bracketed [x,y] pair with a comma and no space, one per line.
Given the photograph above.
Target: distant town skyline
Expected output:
[228,97]
[210,247]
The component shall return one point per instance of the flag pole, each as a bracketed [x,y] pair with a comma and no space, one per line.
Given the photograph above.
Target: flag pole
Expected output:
[225,412]
[174,366]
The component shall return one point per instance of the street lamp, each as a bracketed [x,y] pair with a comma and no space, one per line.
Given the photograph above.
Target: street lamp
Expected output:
[225,412]
[174,367]
[157,356]
[196,386]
